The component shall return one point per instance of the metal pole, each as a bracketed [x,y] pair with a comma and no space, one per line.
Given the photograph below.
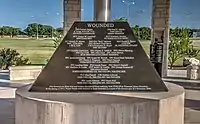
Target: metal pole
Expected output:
[37,32]
[128,7]
[128,12]
[52,32]
[139,33]
[102,9]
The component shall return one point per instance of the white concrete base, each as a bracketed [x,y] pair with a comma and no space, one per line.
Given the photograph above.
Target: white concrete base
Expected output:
[24,72]
[100,108]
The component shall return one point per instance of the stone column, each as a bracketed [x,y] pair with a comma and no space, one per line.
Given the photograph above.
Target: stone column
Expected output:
[160,26]
[72,12]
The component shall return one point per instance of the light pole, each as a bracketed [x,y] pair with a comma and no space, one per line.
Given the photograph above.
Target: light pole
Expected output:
[188,16]
[128,7]
[37,31]
[36,28]
[47,13]
[82,11]
[52,29]
[139,13]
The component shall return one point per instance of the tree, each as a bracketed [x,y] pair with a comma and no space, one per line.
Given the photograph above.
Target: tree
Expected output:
[121,19]
[1,32]
[5,30]
[176,50]
[136,30]
[15,31]
[180,46]
[9,31]
[145,33]
[59,30]
[34,28]
[46,30]
[31,29]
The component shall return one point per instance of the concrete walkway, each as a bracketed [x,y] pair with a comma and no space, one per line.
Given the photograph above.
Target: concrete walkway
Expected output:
[7,98]
[7,105]
[192,107]
[7,95]
[192,97]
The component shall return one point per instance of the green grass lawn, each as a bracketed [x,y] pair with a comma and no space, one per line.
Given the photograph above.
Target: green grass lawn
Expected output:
[38,51]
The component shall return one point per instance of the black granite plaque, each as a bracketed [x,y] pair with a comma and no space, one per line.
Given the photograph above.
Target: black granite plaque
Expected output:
[99,56]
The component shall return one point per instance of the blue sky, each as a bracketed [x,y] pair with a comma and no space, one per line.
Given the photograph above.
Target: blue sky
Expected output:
[19,13]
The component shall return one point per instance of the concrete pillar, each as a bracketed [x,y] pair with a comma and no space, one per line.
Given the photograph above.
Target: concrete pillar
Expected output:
[72,12]
[102,9]
[160,26]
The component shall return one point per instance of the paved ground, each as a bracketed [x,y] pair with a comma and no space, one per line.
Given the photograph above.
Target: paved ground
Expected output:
[192,97]
[192,101]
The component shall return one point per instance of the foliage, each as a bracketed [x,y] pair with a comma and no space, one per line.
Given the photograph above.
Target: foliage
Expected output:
[181,46]
[59,30]
[145,33]
[122,19]
[9,57]
[142,32]
[57,39]
[31,30]
[176,50]
[136,29]
[192,52]
[1,32]
[10,31]
[42,30]
[20,60]
[177,32]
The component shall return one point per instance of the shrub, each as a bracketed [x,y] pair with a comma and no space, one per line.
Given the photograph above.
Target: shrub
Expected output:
[180,47]
[9,57]
[57,39]
[192,52]
[176,50]
[20,60]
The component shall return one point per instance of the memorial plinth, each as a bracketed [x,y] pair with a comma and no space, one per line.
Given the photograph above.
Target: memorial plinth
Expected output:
[100,108]
[99,74]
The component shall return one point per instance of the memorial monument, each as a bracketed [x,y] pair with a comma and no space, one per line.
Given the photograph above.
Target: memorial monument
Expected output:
[96,76]
[99,56]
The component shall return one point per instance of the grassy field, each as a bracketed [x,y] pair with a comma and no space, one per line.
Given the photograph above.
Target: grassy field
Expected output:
[38,51]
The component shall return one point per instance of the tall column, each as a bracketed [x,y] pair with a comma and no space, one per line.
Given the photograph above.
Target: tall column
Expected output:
[160,27]
[72,12]
[102,10]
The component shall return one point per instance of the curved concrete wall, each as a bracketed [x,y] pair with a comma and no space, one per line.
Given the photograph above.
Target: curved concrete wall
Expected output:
[100,108]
